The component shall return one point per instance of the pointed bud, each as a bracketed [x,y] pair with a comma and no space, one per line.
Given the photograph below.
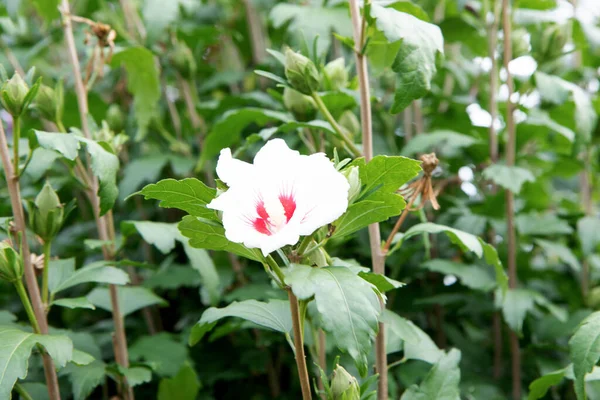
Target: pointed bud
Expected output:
[13,93]
[343,385]
[115,118]
[298,103]
[352,174]
[553,40]
[336,75]
[300,72]
[349,121]
[11,264]
[45,102]
[520,44]
[46,215]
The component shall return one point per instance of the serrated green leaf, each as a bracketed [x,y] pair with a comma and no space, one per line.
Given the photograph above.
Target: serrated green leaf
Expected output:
[105,166]
[348,306]
[509,177]
[399,330]
[584,347]
[163,352]
[415,61]
[85,378]
[444,143]
[189,195]
[16,350]
[204,234]
[160,234]
[131,299]
[366,212]
[516,303]
[588,230]
[381,282]
[387,173]
[441,383]
[547,224]
[539,387]
[140,170]
[64,143]
[62,275]
[76,302]
[275,315]
[143,82]
[473,276]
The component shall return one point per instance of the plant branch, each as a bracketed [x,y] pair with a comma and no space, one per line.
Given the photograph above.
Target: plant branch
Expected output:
[47,249]
[14,190]
[299,346]
[510,198]
[377,258]
[336,127]
[396,228]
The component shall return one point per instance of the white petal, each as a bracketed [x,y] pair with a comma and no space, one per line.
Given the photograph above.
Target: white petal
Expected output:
[275,153]
[231,170]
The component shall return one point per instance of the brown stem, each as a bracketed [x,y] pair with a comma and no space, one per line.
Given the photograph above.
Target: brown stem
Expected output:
[299,346]
[377,258]
[132,20]
[497,321]
[14,62]
[408,128]
[175,119]
[418,116]
[257,34]
[14,191]
[510,198]
[396,228]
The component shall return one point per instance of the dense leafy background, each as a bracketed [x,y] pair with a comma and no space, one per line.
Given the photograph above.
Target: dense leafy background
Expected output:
[182,85]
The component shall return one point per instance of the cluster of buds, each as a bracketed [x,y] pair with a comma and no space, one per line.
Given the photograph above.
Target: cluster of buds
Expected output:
[106,134]
[11,263]
[47,214]
[16,95]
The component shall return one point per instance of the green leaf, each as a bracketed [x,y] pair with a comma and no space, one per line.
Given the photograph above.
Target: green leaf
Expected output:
[274,315]
[415,61]
[310,22]
[143,82]
[77,302]
[473,276]
[62,275]
[159,234]
[48,9]
[173,277]
[509,177]
[81,357]
[588,230]
[536,224]
[131,299]
[366,212]
[140,170]
[16,349]
[227,130]
[136,375]
[348,306]
[381,282]
[560,251]
[189,195]
[204,234]
[165,354]
[399,330]
[444,143]
[211,282]
[584,347]
[387,173]
[441,383]
[539,387]
[158,15]
[85,378]
[104,166]
[183,386]
[467,242]
[64,143]
[516,303]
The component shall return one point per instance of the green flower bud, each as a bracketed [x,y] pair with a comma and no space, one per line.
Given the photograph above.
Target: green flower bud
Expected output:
[336,75]
[45,102]
[553,40]
[46,214]
[300,72]
[182,59]
[13,96]
[352,174]
[343,385]
[298,103]
[115,118]
[318,257]
[520,45]
[11,264]
[349,121]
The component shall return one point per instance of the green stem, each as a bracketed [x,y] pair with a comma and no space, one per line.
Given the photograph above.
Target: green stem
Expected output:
[27,305]
[47,247]
[338,129]
[275,267]
[426,240]
[22,392]
[304,245]
[16,138]
[60,126]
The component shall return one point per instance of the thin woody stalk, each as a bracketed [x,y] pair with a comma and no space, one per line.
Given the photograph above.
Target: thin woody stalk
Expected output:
[377,259]
[493,150]
[299,346]
[14,190]
[120,339]
[510,198]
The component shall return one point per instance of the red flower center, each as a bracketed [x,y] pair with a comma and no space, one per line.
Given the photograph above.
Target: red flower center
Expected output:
[265,224]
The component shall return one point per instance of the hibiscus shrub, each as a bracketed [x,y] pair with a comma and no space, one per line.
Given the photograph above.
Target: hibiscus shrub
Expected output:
[344,200]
